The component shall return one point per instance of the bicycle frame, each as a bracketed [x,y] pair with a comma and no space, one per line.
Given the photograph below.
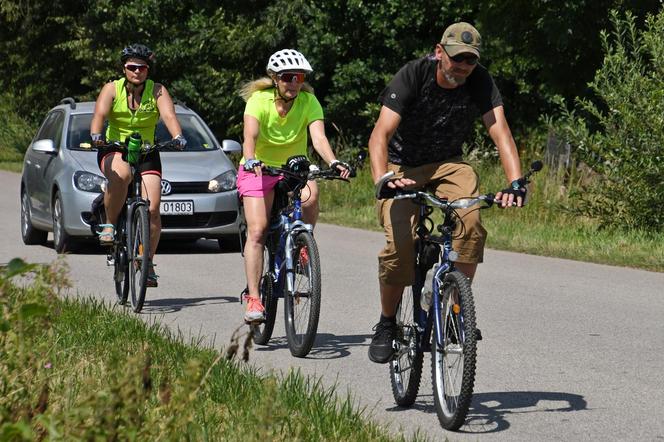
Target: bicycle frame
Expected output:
[425,320]
[290,223]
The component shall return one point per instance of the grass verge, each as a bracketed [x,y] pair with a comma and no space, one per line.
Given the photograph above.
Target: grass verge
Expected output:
[77,370]
[544,227]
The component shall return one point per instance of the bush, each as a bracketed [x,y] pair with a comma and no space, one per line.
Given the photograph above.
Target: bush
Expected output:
[620,134]
[15,132]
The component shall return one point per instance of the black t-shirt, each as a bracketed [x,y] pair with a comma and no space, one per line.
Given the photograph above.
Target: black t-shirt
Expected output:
[435,122]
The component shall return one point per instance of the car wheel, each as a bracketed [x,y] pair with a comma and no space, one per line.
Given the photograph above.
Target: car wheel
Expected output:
[62,242]
[30,234]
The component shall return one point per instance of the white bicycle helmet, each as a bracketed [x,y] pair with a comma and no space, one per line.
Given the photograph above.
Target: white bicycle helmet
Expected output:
[288,59]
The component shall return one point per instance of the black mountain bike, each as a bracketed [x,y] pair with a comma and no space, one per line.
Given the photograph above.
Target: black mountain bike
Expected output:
[291,264]
[130,252]
[437,313]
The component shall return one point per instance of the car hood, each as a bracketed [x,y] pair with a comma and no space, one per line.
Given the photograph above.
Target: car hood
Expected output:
[86,160]
[194,166]
[176,166]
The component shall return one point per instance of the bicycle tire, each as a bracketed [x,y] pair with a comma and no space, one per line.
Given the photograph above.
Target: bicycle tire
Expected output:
[263,332]
[121,263]
[139,255]
[302,306]
[453,365]
[406,366]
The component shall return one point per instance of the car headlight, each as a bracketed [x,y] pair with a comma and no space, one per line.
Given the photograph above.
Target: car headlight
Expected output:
[223,182]
[89,182]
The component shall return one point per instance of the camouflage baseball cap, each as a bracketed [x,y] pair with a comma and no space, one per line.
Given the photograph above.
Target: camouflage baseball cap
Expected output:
[461,37]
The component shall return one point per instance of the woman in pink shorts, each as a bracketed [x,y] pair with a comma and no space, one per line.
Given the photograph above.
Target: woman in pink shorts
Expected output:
[280,108]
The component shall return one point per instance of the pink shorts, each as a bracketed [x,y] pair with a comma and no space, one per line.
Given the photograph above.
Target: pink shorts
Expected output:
[248,184]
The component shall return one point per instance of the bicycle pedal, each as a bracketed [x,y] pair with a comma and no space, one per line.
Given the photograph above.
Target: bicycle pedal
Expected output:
[110,261]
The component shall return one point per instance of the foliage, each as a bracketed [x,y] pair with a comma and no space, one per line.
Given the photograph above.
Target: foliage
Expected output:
[539,49]
[619,133]
[75,370]
[206,50]
[15,132]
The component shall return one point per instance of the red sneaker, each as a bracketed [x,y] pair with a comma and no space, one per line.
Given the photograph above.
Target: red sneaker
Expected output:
[255,311]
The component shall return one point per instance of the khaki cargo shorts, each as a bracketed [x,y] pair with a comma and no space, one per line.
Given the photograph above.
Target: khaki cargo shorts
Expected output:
[452,179]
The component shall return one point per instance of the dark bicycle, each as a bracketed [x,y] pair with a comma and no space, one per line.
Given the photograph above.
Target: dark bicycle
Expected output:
[291,263]
[130,252]
[437,313]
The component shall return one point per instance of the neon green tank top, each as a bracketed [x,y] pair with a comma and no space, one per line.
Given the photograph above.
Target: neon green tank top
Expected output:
[122,121]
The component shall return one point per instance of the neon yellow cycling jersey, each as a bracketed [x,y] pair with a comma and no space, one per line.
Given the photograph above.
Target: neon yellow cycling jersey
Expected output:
[282,137]
[122,121]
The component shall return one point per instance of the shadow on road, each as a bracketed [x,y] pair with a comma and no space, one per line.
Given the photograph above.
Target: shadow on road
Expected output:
[489,411]
[326,346]
[172,305]
[166,247]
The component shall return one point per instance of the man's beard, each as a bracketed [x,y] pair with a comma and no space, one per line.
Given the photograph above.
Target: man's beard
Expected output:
[450,77]
[454,80]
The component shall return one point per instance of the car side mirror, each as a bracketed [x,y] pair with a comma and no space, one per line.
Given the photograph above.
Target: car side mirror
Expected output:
[44,146]
[230,146]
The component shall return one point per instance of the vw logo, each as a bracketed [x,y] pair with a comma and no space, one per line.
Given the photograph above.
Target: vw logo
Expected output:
[166,188]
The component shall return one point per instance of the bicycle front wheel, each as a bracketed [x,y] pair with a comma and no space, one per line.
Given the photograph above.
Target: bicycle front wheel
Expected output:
[302,305]
[406,366]
[263,332]
[139,255]
[121,263]
[453,360]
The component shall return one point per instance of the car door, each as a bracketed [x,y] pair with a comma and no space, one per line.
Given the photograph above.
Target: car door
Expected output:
[43,164]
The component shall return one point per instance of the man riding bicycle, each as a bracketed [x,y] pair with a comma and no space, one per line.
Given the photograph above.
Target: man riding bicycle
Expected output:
[427,113]
[133,104]
[280,108]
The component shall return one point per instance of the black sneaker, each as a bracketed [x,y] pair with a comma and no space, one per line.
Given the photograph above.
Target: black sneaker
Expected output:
[381,349]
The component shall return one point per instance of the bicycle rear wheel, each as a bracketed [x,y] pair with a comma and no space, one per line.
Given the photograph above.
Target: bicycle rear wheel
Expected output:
[139,255]
[302,306]
[120,263]
[406,366]
[453,360]
[263,332]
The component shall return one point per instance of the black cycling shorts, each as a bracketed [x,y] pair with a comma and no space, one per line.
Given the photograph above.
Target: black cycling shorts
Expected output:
[150,163]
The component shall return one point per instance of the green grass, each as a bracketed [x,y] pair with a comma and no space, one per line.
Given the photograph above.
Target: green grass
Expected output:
[544,227]
[79,370]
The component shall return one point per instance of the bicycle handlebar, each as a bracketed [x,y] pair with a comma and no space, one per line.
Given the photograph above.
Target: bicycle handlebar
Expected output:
[145,148]
[314,173]
[385,192]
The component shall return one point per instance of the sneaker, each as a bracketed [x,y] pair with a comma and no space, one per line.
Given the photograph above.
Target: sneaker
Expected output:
[381,348]
[255,311]
[152,276]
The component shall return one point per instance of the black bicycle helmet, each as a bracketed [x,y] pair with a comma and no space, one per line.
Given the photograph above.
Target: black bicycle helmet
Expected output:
[139,51]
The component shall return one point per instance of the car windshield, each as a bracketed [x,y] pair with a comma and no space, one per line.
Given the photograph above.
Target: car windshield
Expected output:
[193,129]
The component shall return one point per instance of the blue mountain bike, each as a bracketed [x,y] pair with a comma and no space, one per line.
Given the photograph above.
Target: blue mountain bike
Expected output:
[291,263]
[437,313]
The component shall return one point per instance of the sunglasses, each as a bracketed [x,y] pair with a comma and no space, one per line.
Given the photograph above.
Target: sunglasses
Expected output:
[136,67]
[460,58]
[291,77]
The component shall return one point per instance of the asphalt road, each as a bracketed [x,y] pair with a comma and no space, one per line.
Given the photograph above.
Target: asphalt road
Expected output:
[571,351]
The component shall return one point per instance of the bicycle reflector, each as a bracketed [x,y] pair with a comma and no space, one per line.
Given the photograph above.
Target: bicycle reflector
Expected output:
[298,164]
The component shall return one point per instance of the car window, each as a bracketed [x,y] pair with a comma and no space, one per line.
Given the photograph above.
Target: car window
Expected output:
[51,129]
[193,129]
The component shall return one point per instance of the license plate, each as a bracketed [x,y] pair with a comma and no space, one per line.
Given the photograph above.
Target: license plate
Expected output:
[177,207]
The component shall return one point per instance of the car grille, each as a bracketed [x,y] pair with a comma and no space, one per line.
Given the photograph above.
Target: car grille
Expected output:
[198,220]
[193,187]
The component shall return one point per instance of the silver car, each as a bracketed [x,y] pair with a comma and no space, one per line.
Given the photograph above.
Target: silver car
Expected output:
[61,179]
